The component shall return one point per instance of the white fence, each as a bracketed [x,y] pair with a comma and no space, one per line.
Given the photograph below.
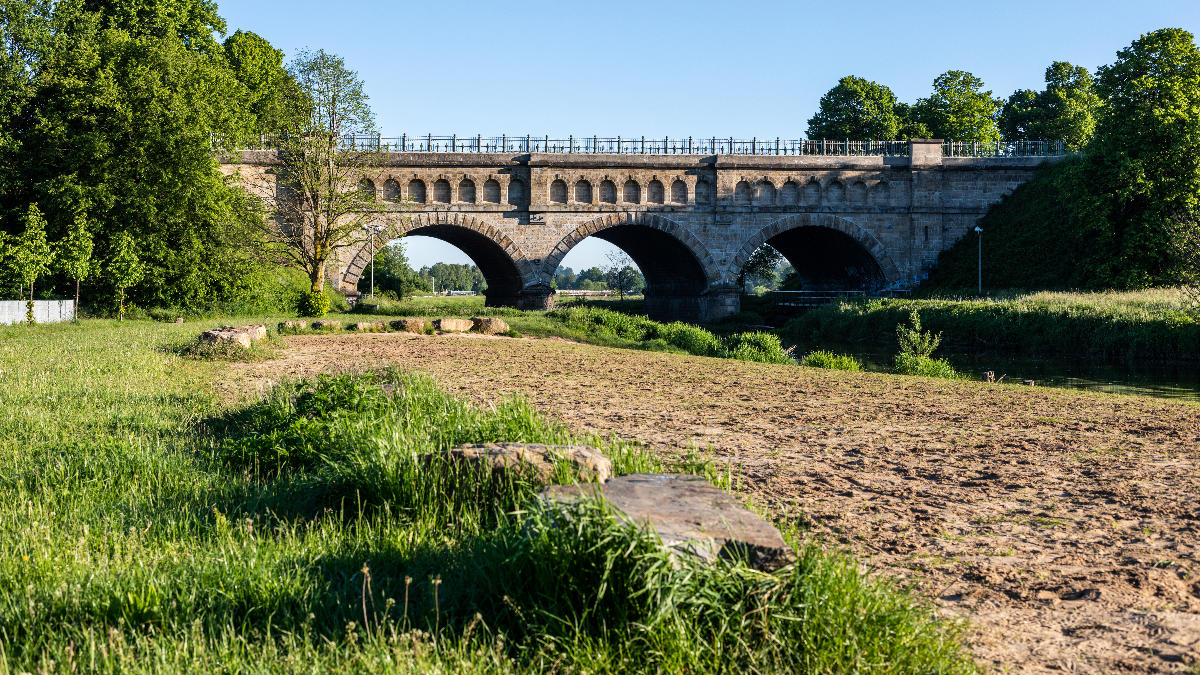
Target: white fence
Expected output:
[44,311]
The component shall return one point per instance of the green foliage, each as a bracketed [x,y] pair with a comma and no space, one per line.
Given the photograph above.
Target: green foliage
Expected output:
[1065,111]
[393,273]
[756,346]
[912,340]
[74,251]
[856,109]
[274,101]
[827,359]
[314,304]
[959,109]
[124,268]
[924,366]
[1110,326]
[1145,161]
[443,277]
[762,267]
[621,276]
[29,257]
[100,74]
[1116,217]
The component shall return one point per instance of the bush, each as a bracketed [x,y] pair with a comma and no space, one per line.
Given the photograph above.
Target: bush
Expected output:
[913,340]
[925,366]
[691,339]
[757,346]
[826,359]
[314,304]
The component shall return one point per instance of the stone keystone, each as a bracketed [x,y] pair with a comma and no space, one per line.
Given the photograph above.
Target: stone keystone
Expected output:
[489,326]
[690,515]
[241,335]
[586,463]
[453,325]
[410,325]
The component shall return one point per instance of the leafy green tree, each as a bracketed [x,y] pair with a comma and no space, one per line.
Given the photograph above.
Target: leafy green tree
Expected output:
[74,253]
[959,109]
[621,276]
[30,256]
[1064,111]
[127,99]
[1145,159]
[393,273]
[124,269]
[761,268]
[856,109]
[320,209]
[274,99]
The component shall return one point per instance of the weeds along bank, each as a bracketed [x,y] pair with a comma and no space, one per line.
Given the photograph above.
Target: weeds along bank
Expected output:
[1119,327]
[154,528]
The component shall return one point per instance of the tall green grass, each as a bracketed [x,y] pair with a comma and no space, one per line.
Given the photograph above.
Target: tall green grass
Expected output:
[150,528]
[1116,326]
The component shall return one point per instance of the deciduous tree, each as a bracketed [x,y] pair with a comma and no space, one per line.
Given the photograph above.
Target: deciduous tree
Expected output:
[856,109]
[124,268]
[319,206]
[74,253]
[959,109]
[30,255]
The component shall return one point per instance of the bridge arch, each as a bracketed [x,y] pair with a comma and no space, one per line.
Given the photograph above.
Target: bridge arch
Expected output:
[677,266]
[824,243]
[501,261]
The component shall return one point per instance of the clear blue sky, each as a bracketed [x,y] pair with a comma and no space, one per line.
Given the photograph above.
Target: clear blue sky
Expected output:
[699,68]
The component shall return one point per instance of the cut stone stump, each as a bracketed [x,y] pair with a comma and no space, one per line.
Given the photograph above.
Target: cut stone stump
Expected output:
[370,327]
[586,462]
[690,515]
[453,325]
[489,326]
[241,335]
[327,324]
[410,325]
[293,324]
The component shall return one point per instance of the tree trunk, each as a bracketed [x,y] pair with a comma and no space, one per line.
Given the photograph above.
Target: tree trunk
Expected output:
[76,299]
[316,277]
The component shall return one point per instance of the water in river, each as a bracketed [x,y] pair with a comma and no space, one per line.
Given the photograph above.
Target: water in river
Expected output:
[1178,381]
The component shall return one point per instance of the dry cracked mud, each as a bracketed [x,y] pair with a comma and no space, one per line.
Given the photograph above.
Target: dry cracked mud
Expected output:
[1063,526]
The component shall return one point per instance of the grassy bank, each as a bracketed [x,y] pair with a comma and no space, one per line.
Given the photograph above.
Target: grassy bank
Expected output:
[1116,326]
[154,527]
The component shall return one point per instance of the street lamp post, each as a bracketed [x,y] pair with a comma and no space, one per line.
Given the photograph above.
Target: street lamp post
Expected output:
[979,236]
[371,230]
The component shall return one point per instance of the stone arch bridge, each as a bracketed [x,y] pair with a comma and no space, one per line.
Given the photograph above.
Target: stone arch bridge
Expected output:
[689,220]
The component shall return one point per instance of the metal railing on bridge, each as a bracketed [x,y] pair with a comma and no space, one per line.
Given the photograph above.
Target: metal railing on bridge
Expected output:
[619,145]
[1005,149]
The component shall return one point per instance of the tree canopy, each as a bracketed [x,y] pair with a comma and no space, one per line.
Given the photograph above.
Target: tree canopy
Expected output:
[1065,111]
[959,109]
[858,109]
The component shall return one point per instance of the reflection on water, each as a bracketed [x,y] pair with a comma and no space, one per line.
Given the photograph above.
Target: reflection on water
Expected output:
[1178,381]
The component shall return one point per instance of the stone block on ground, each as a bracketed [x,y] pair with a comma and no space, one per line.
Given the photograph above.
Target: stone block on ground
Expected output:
[690,515]
[453,325]
[293,324]
[410,325]
[489,326]
[587,463]
[240,335]
[327,324]
[370,327]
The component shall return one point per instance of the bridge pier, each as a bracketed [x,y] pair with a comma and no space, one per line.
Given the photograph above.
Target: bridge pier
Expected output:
[712,304]
[540,296]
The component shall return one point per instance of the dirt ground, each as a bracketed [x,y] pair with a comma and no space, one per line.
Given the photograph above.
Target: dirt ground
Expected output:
[1062,525]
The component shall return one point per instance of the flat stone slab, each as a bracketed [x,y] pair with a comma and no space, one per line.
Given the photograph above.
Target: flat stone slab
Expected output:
[690,515]
[540,460]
